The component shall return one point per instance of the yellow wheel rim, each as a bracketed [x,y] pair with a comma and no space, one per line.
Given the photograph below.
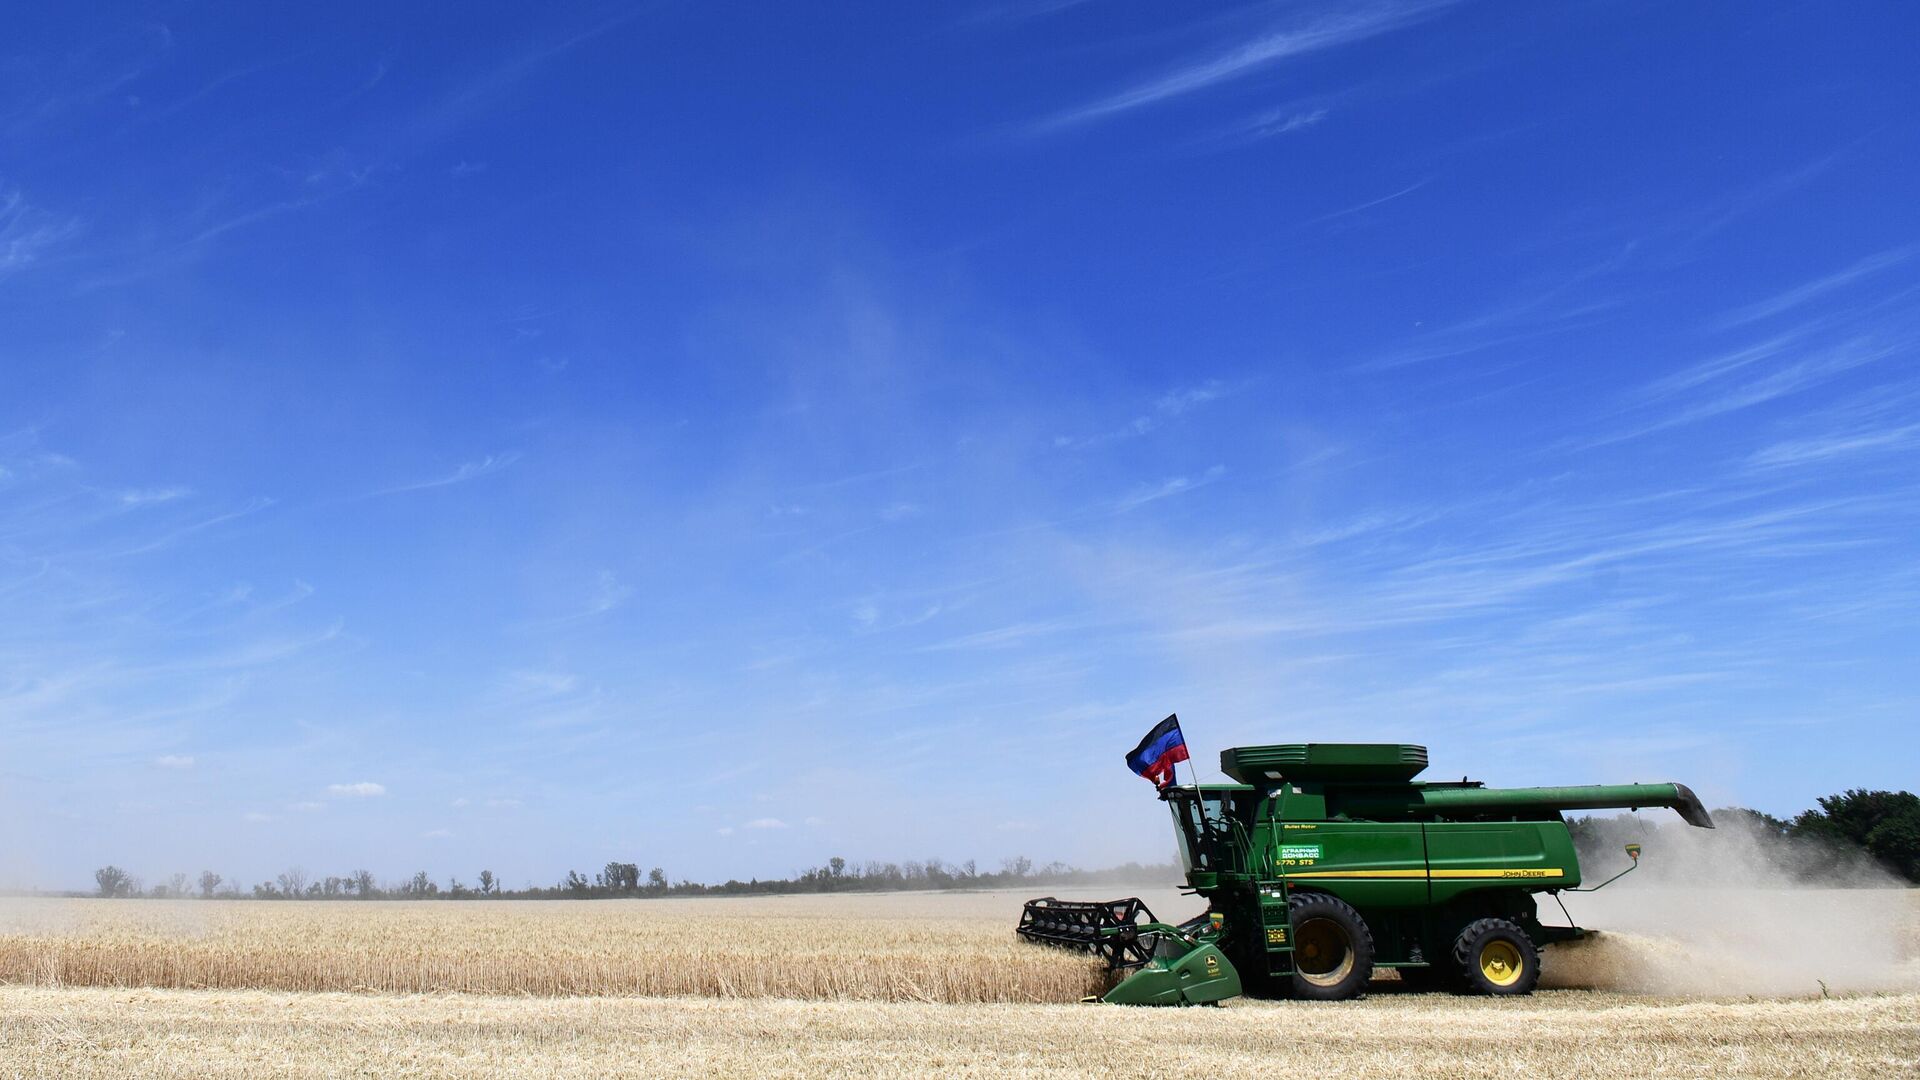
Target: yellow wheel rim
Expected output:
[1500,963]
[1322,954]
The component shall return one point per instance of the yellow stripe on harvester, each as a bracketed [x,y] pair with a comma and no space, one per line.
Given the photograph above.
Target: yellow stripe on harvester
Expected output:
[1502,872]
[1496,873]
[1355,873]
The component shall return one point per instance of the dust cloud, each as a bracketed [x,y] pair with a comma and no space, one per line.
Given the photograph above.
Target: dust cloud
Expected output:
[1737,911]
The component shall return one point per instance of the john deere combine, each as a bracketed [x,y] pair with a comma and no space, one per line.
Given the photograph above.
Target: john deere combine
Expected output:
[1326,861]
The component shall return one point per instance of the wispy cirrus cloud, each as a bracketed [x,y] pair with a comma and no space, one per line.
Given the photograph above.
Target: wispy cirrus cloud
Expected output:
[1246,57]
[1281,122]
[1734,205]
[466,471]
[1707,390]
[1168,406]
[1168,488]
[1020,12]
[488,86]
[1818,287]
[1369,204]
[1823,449]
[28,233]
[1875,426]
[607,595]
[148,496]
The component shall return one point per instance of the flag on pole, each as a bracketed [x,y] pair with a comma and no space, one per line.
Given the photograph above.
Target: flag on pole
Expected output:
[1155,755]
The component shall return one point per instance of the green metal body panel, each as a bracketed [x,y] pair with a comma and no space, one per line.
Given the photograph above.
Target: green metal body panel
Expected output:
[1324,761]
[1199,975]
[1419,861]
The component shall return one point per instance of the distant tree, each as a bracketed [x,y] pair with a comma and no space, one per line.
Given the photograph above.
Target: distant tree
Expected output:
[420,886]
[292,882]
[576,883]
[1885,823]
[657,880]
[177,885]
[209,881]
[487,884]
[620,877]
[113,881]
[1896,842]
[363,884]
[836,866]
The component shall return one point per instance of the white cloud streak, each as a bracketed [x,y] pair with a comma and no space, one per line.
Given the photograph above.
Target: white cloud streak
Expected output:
[364,789]
[1166,489]
[27,233]
[470,470]
[1250,56]
[1812,290]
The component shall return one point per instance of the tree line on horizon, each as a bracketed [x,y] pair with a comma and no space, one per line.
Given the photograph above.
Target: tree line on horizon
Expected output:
[626,880]
[1877,827]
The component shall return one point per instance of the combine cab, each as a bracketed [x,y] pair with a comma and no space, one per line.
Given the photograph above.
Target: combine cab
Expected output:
[1327,861]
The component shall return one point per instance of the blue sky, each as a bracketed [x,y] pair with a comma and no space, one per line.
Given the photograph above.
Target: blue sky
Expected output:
[725,437]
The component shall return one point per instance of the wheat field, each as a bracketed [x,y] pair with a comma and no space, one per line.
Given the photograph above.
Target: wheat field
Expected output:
[956,948]
[861,986]
[177,1033]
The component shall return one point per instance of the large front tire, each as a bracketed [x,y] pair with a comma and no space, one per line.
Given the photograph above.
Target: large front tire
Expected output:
[1494,956]
[1332,948]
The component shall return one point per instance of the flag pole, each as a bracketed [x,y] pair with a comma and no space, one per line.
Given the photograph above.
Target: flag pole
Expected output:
[1199,800]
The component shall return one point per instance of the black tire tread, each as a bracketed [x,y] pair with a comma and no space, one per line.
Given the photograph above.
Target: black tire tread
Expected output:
[1467,971]
[1302,905]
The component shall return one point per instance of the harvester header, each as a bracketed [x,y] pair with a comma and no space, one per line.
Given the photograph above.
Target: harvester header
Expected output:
[1326,861]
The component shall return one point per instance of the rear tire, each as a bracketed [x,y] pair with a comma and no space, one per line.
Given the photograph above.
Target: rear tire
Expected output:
[1332,948]
[1494,956]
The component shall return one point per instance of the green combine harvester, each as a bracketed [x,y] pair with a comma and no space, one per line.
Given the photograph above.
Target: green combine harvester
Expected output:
[1327,861]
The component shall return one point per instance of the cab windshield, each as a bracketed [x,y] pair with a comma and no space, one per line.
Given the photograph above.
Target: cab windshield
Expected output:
[1203,829]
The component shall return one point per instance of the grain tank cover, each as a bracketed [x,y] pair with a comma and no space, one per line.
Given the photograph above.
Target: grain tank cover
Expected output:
[1386,763]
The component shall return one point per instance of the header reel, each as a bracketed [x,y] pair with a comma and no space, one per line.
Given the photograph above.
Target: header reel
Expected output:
[1107,928]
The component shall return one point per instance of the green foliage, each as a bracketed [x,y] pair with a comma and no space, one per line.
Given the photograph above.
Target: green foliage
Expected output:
[1885,823]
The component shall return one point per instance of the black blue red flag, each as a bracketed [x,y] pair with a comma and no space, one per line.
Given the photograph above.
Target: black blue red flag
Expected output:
[1155,755]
